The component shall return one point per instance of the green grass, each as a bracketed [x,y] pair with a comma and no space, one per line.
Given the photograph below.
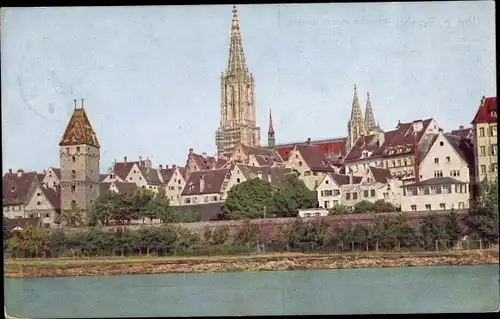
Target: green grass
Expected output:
[19,263]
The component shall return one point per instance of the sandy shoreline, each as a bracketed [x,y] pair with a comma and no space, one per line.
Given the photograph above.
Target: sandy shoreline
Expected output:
[131,266]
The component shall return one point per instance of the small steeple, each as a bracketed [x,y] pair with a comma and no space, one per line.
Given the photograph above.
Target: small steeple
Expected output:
[369,118]
[355,125]
[271,141]
[236,56]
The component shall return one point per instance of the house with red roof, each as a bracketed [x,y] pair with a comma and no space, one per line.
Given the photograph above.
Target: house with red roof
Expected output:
[465,132]
[198,162]
[311,164]
[484,126]
[51,177]
[255,156]
[16,190]
[398,150]
[174,181]
[332,148]
[44,203]
[330,189]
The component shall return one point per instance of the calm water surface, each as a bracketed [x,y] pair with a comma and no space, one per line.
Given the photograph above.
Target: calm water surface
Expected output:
[352,291]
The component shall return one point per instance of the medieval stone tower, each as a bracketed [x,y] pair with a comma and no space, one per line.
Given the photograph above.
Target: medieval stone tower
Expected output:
[357,126]
[237,110]
[79,155]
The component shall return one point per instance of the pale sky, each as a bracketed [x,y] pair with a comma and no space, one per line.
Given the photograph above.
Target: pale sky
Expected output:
[150,76]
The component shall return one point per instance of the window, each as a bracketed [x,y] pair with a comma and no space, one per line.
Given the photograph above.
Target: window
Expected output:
[46,225]
[365,193]
[354,196]
[436,160]
[372,193]
[494,129]
[91,201]
[308,214]
[335,202]
[326,181]
[214,198]
[171,188]
[399,162]
[494,149]
[307,173]
[296,155]
[442,206]
[481,131]
[428,207]
[441,143]
[237,180]
[179,182]
[348,196]
[78,148]
[446,189]
[438,174]
[483,169]
[448,160]
[393,163]
[494,167]
[326,203]
[482,150]
[205,199]
[315,173]
[316,214]
[438,189]
[73,159]
[73,188]
[327,192]
[414,191]
[38,203]
[368,179]
[73,173]
[187,200]
[413,208]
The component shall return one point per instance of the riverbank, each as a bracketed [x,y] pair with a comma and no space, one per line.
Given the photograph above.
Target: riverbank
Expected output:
[17,268]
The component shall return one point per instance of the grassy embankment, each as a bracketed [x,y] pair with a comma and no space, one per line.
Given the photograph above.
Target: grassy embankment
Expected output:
[15,268]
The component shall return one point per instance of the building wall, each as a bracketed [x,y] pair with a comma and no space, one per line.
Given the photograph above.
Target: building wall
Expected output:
[135,176]
[397,165]
[174,188]
[453,200]
[83,187]
[201,199]
[313,212]
[50,179]
[39,206]
[329,193]
[13,211]
[443,159]
[486,151]
[112,177]
[296,162]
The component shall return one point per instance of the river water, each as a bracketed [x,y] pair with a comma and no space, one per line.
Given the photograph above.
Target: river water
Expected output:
[350,291]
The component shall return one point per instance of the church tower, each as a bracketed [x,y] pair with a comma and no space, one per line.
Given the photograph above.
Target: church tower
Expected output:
[237,110]
[271,141]
[355,125]
[79,154]
[370,125]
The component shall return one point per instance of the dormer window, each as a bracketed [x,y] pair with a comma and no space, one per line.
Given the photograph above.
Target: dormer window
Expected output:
[493,113]
[67,150]
[78,148]
[191,187]
[73,173]
[13,189]
[73,159]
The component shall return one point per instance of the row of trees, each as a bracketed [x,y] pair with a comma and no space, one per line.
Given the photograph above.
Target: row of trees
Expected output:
[386,233]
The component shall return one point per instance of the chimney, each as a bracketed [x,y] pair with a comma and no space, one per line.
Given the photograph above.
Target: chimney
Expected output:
[174,166]
[381,138]
[191,151]
[204,154]
[416,158]
[114,162]
[20,172]
[461,127]
[10,170]
[125,159]
[161,167]
[44,172]
[166,166]
[140,160]
[308,141]
[440,130]
[202,183]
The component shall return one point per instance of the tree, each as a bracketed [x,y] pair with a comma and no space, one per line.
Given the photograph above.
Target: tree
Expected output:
[6,232]
[453,226]
[364,207]
[248,234]
[483,219]
[293,195]
[104,207]
[382,206]
[159,207]
[72,217]
[249,199]
[139,204]
[220,235]
[36,240]
[432,229]
[339,209]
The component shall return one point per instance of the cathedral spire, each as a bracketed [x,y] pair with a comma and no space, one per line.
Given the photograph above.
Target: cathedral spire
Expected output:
[355,125]
[369,118]
[236,56]
[271,141]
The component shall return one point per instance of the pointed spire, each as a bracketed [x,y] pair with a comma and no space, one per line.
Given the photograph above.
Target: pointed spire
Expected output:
[271,128]
[369,118]
[236,56]
[356,114]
